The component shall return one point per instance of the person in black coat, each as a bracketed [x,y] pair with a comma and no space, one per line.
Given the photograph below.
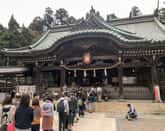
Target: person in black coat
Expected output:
[24,114]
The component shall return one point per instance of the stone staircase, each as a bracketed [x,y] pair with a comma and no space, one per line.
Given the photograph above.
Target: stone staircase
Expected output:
[137,93]
[141,93]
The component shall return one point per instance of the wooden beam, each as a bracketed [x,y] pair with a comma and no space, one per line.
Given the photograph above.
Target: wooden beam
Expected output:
[120,76]
[112,57]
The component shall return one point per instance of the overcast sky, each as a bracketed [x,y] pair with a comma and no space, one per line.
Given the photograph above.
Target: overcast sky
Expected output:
[25,10]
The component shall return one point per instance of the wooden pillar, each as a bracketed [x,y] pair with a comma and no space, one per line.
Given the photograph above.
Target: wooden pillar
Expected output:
[62,77]
[45,79]
[37,79]
[120,75]
[154,75]
[154,72]
[43,83]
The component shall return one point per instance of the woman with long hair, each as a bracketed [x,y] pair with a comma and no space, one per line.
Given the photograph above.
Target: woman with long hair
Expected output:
[24,115]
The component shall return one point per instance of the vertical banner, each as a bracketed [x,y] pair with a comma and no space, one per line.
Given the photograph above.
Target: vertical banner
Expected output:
[157,93]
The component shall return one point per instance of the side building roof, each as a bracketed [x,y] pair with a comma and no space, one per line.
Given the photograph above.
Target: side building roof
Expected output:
[147,26]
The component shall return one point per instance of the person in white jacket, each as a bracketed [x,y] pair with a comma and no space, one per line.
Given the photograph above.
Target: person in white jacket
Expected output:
[131,114]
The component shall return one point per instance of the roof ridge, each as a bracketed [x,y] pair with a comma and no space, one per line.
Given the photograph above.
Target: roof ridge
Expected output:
[136,17]
[111,27]
[40,40]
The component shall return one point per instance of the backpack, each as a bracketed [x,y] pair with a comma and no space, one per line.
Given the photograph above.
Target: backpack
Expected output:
[80,102]
[72,104]
[61,107]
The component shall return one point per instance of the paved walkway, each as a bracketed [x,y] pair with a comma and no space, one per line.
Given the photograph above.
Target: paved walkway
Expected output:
[104,122]
[96,122]
[93,122]
[145,122]
[114,121]
[142,124]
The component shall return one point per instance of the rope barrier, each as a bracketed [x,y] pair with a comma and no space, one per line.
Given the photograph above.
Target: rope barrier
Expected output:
[91,68]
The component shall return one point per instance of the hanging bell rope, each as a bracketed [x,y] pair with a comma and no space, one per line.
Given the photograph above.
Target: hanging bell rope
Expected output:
[75,74]
[94,73]
[85,73]
[105,72]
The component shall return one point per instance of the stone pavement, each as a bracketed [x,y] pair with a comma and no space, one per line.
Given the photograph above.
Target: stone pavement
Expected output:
[142,125]
[106,122]
[111,119]
[96,122]
[92,122]
[145,122]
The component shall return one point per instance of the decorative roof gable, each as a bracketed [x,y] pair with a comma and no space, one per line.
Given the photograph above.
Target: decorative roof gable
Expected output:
[95,21]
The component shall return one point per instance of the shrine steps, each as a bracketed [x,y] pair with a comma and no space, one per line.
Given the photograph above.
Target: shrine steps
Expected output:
[139,93]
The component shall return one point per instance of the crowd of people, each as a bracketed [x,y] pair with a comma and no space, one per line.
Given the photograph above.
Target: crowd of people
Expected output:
[22,113]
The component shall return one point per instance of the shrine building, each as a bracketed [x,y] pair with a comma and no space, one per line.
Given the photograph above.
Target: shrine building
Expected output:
[125,55]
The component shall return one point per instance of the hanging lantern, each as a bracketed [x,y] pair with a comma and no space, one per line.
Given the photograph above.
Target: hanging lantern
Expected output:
[75,74]
[85,73]
[94,73]
[87,58]
[105,72]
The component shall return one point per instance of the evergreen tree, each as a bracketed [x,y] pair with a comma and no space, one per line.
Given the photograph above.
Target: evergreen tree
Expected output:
[9,40]
[71,20]
[13,25]
[48,18]
[26,36]
[37,25]
[62,16]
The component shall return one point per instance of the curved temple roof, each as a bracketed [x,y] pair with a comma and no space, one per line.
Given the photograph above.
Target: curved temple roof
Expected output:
[125,30]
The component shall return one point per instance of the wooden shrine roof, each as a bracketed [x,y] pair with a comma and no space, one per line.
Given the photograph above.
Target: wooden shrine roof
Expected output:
[143,31]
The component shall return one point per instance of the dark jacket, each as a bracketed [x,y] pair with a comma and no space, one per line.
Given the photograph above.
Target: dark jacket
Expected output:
[23,117]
